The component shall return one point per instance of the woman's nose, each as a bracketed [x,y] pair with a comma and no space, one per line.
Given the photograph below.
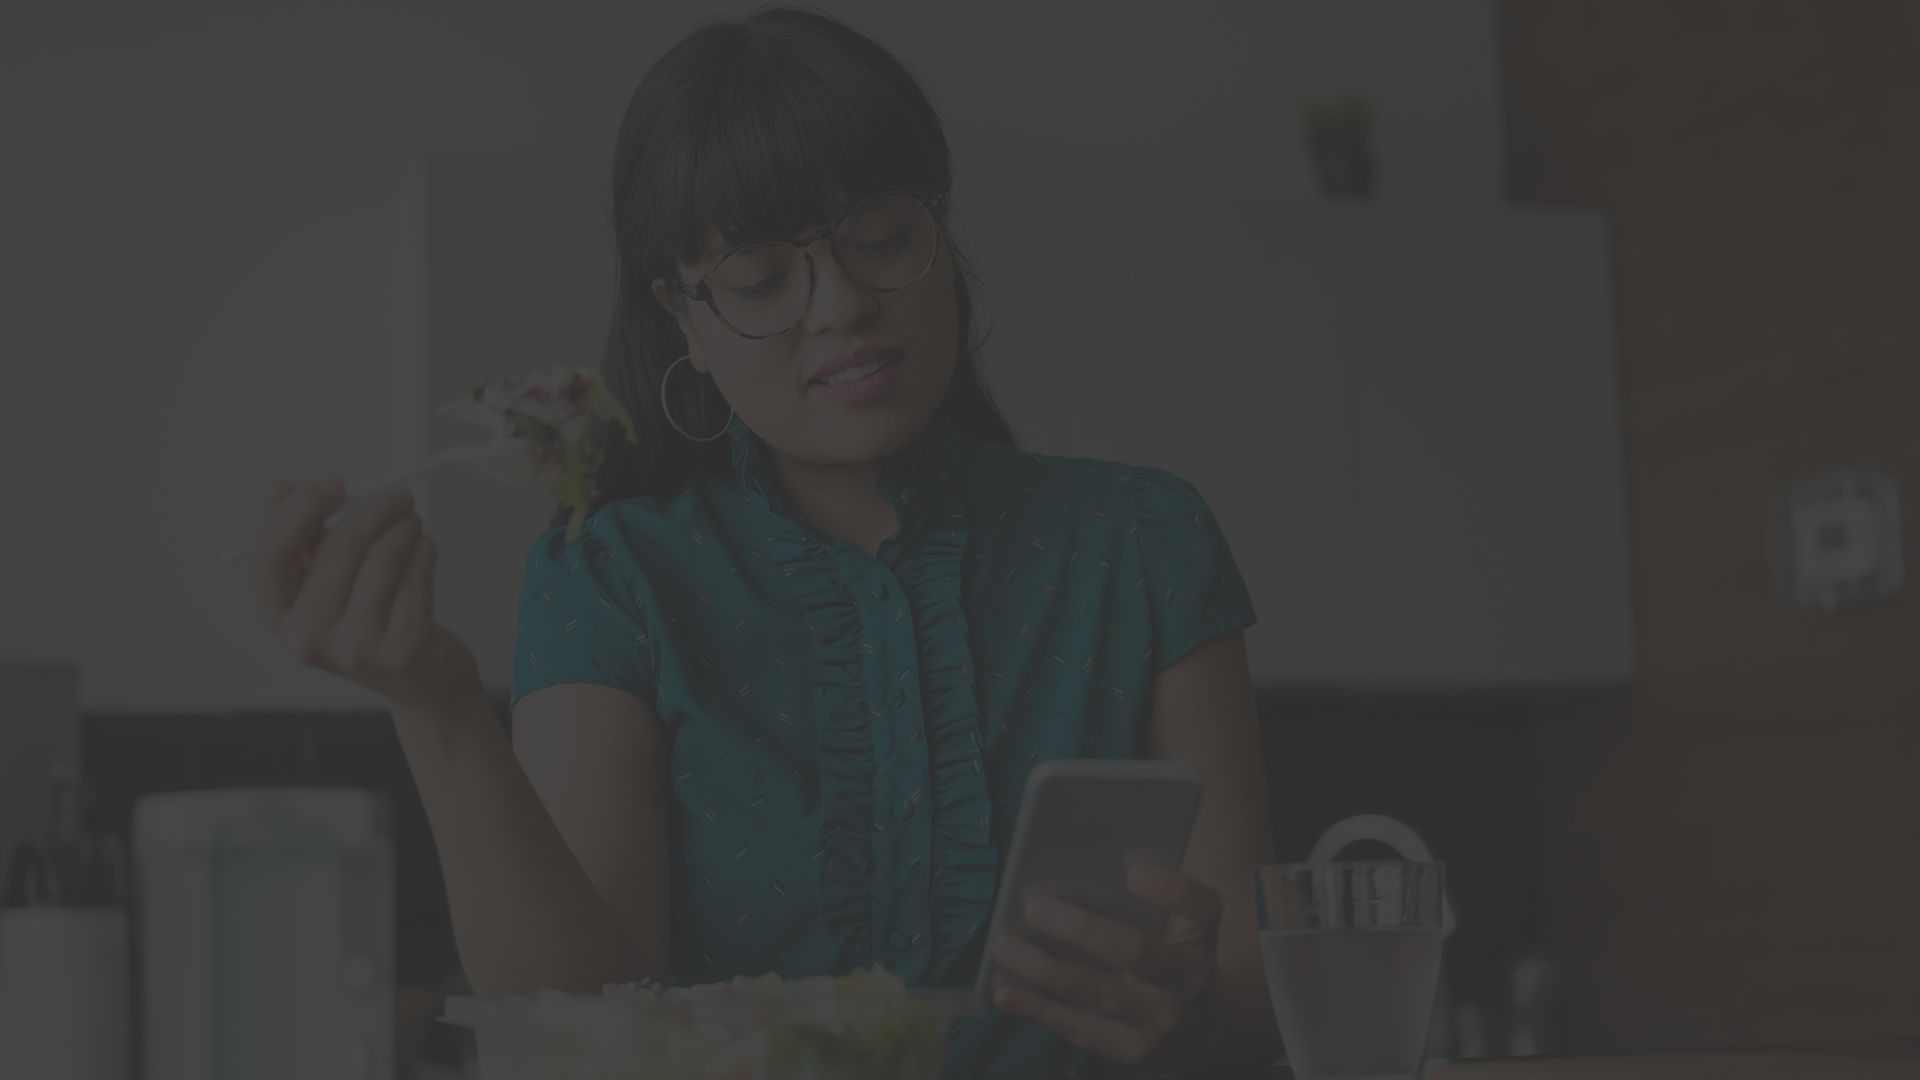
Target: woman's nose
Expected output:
[840,301]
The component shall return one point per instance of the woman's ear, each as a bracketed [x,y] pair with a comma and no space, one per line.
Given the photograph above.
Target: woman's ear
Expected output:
[673,303]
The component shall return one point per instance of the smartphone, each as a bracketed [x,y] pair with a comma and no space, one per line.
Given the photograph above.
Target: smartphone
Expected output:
[1082,824]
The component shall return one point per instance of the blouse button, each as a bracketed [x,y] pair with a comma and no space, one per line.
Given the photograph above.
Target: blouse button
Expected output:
[902,941]
[879,590]
[897,699]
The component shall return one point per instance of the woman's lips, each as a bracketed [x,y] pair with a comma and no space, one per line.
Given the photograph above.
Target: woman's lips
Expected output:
[863,382]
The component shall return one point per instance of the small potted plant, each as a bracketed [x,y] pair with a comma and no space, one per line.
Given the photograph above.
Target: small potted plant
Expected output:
[1339,132]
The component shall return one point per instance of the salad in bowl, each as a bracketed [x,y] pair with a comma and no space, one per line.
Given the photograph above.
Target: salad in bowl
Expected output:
[864,1026]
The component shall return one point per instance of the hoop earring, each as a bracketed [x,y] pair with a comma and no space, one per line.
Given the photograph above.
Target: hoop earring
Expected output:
[992,314]
[666,410]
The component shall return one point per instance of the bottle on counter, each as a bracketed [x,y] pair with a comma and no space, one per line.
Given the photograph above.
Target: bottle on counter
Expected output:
[86,865]
[1535,1007]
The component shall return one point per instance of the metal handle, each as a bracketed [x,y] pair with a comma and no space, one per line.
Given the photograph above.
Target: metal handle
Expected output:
[1381,829]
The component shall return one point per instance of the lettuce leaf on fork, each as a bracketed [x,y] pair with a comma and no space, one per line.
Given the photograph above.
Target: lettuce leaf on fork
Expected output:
[554,426]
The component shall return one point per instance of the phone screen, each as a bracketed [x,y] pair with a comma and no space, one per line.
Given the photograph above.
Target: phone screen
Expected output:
[1082,824]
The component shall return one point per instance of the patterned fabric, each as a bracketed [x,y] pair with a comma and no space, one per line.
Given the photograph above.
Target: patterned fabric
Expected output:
[850,734]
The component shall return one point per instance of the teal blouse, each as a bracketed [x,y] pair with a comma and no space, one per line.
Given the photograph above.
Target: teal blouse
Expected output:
[850,734]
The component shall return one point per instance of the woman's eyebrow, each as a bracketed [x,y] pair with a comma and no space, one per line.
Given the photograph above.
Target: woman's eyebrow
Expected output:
[724,244]
[708,255]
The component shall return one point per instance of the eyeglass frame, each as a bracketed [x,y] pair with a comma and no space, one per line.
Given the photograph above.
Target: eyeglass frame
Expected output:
[935,204]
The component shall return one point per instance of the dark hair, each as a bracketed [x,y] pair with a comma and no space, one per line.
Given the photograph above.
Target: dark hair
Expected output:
[754,127]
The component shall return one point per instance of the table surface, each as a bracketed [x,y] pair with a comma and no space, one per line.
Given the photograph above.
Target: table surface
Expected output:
[1895,1060]
[1706,1066]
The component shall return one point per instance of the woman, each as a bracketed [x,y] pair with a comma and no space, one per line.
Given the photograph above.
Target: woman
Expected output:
[774,708]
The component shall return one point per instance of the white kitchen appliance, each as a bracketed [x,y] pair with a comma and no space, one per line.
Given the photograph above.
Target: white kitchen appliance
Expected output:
[265,927]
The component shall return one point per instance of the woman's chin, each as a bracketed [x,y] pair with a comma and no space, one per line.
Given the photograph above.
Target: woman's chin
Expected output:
[844,436]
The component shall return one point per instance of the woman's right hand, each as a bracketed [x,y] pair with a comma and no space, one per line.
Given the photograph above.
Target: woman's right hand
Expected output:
[357,599]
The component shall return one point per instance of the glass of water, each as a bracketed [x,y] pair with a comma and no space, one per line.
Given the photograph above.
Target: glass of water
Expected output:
[1352,953]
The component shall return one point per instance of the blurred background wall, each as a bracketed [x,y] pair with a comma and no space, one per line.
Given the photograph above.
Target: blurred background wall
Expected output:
[1723,845]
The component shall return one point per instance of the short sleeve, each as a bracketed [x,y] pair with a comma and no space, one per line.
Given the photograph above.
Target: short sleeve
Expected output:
[581,616]
[1195,591]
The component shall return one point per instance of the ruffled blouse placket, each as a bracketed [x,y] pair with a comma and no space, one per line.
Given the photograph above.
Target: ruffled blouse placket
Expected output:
[906,859]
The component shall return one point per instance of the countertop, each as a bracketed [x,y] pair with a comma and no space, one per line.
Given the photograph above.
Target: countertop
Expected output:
[1706,1066]
[1889,1060]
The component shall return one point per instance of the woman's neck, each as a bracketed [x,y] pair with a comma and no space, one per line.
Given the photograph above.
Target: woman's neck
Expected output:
[840,500]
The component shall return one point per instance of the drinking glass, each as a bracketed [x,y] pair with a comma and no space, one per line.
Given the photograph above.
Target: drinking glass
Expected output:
[1352,954]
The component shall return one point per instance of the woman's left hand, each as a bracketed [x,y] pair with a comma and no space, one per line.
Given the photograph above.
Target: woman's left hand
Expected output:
[1148,997]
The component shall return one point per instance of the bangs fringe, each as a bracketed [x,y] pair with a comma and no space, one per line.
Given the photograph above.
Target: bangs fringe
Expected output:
[783,142]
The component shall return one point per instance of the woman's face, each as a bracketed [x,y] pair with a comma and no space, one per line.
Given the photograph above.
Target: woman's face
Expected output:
[796,389]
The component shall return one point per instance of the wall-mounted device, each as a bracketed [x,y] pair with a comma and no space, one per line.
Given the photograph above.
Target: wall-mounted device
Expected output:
[1838,540]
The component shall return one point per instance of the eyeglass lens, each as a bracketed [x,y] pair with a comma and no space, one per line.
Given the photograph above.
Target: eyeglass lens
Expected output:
[886,243]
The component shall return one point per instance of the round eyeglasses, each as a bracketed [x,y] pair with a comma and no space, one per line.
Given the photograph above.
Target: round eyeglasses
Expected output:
[762,288]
